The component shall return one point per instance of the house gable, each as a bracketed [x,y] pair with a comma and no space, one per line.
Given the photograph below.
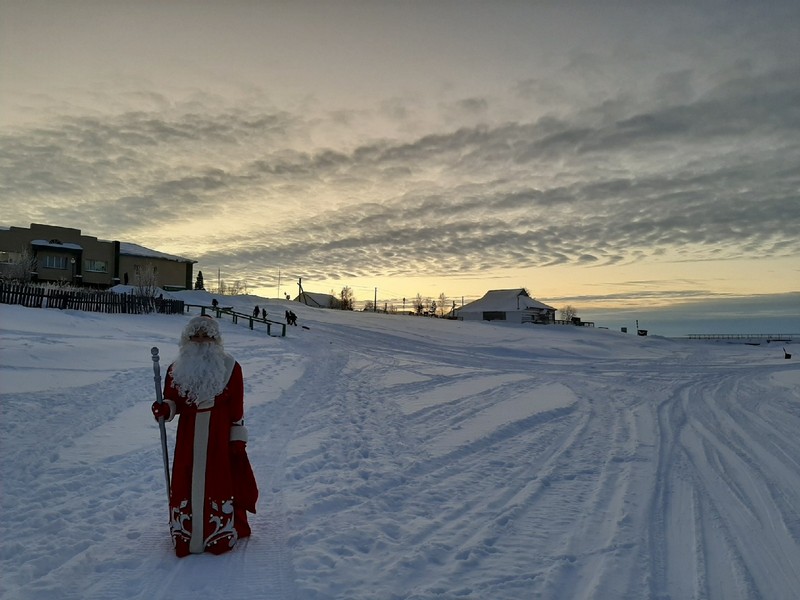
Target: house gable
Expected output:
[507,305]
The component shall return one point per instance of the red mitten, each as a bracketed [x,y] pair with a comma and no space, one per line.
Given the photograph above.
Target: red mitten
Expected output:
[160,409]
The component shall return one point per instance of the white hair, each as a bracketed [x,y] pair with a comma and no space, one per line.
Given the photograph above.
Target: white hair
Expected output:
[201,371]
[205,324]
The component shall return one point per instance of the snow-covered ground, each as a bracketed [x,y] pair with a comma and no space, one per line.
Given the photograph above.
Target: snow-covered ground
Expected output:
[403,457]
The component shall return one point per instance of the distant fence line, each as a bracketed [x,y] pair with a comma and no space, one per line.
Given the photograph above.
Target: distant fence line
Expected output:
[769,337]
[86,300]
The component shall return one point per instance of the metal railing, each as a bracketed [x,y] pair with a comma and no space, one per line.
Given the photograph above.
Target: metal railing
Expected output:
[218,311]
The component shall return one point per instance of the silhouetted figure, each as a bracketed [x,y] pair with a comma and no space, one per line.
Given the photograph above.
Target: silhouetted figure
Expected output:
[291,318]
[264,313]
[256,311]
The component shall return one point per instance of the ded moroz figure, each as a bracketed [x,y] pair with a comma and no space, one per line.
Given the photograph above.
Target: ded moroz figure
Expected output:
[213,486]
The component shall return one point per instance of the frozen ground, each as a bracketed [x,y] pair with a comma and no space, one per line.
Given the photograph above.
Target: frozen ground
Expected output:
[402,457]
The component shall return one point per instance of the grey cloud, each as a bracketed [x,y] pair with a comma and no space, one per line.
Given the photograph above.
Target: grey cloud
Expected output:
[716,172]
[473,105]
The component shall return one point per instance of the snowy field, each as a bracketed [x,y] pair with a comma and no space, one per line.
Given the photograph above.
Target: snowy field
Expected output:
[402,457]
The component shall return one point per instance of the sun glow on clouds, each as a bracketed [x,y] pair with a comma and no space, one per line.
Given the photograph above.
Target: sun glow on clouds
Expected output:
[574,153]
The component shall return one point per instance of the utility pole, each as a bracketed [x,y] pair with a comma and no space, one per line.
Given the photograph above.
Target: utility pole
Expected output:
[375,303]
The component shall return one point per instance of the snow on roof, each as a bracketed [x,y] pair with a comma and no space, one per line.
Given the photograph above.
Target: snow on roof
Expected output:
[505,301]
[128,249]
[321,300]
[54,244]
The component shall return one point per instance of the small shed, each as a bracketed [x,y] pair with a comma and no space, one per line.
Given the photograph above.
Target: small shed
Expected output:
[513,306]
[319,300]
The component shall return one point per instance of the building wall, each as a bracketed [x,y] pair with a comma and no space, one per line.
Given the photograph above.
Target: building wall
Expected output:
[511,316]
[65,255]
[83,259]
[169,273]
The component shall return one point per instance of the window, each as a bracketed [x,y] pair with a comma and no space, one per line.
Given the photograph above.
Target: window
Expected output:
[9,257]
[494,315]
[96,266]
[55,262]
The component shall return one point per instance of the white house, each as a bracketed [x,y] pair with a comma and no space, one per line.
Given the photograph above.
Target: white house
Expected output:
[514,306]
[319,300]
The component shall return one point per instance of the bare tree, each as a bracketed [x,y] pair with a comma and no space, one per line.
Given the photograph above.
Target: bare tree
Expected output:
[568,312]
[442,303]
[419,306]
[146,280]
[236,288]
[21,266]
[348,298]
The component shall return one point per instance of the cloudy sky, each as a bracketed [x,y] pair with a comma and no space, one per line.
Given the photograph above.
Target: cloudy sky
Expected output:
[598,153]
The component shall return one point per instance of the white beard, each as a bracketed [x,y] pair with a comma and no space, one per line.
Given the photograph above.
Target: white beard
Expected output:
[200,372]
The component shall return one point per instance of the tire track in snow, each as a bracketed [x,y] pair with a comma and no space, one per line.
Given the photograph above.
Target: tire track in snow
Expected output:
[511,465]
[599,533]
[736,454]
[722,462]
[275,424]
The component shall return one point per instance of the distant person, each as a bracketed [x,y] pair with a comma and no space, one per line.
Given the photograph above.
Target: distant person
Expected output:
[292,318]
[256,311]
[213,487]
[264,313]
[215,303]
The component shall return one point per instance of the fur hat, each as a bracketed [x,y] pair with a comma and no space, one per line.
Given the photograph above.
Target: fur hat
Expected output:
[204,323]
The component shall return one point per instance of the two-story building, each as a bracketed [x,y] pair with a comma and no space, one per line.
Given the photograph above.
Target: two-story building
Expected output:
[63,254]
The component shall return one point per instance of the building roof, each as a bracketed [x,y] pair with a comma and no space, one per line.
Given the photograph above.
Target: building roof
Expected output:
[56,245]
[319,300]
[505,301]
[128,249]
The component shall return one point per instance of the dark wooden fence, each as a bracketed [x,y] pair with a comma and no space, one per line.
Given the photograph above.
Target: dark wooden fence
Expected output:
[88,300]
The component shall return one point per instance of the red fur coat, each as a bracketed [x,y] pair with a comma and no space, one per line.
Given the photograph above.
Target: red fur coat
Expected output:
[212,481]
